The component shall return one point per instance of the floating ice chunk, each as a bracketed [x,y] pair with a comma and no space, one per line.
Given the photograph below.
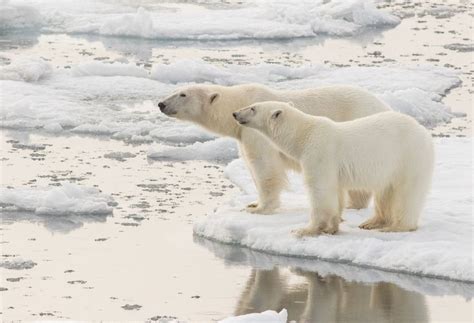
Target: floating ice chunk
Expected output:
[197,70]
[221,150]
[441,247]
[264,317]
[180,133]
[14,16]
[63,200]
[17,264]
[53,127]
[421,105]
[108,69]
[98,129]
[26,69]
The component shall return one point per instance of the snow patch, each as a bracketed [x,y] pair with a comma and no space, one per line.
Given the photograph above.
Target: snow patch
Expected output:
[63,200]
[441,247]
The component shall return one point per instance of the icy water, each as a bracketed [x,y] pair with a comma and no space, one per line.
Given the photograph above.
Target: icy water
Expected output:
[85,124]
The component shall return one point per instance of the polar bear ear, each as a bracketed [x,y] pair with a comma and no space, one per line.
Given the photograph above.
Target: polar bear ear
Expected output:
[276,114]
[291,103]
[213,97]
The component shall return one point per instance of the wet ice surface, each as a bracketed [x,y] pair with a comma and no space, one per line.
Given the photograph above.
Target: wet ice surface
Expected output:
[81,110]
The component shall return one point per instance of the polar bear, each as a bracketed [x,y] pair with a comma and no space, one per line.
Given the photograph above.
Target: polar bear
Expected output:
[388,153]
[211,106]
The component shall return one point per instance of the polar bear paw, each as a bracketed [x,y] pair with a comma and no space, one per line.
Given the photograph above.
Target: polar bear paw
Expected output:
[372,223]
[255,207]
[306,232]
[314,231]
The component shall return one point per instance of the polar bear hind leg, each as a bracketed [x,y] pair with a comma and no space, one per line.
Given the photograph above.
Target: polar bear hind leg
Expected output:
[383,210]
[407,204]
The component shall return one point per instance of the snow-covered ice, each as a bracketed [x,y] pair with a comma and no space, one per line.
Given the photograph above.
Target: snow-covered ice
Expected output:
[441,247]
[249,20]
[264,317]
[66,199]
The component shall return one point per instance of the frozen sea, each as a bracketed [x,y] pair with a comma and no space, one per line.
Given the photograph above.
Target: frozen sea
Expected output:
[112,211]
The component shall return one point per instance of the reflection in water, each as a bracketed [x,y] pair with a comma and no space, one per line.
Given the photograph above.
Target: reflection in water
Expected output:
[319,291]
[329,299]
[54,223]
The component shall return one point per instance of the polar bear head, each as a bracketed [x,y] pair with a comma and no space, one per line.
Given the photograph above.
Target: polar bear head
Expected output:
[189,103]
[263,116]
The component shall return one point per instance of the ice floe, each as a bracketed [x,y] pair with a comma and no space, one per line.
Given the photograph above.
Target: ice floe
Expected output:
[247,20]
[441,247]
[67,199]
[123,104]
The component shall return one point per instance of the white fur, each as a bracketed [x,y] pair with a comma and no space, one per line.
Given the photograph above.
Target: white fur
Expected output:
[388,153]
[211,106]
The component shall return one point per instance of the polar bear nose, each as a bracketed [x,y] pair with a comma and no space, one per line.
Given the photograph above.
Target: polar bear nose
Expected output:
[235,115]
[161,105]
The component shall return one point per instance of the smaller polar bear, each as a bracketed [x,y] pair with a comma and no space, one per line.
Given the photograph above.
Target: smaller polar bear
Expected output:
[388,153]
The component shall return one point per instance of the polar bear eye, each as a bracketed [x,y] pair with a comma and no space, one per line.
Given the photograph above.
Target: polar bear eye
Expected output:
[182,95]
[252,109]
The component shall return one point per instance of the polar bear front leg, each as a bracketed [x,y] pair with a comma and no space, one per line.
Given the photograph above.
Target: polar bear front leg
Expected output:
[270,180]
[267,169]
[326,199]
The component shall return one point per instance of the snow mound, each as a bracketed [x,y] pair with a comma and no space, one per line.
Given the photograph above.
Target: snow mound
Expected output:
[63,200]
[441,247]
[26,69]
[220,150]
[264,317]
[14,16]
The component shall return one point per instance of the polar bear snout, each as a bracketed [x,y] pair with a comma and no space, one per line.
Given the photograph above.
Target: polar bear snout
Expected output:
[239,117]
[166,109]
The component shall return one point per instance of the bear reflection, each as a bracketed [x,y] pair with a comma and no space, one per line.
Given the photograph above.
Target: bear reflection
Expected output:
[313,298]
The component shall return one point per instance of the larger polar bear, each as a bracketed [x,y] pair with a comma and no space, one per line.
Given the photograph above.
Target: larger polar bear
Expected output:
[388,153]
[211,106]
